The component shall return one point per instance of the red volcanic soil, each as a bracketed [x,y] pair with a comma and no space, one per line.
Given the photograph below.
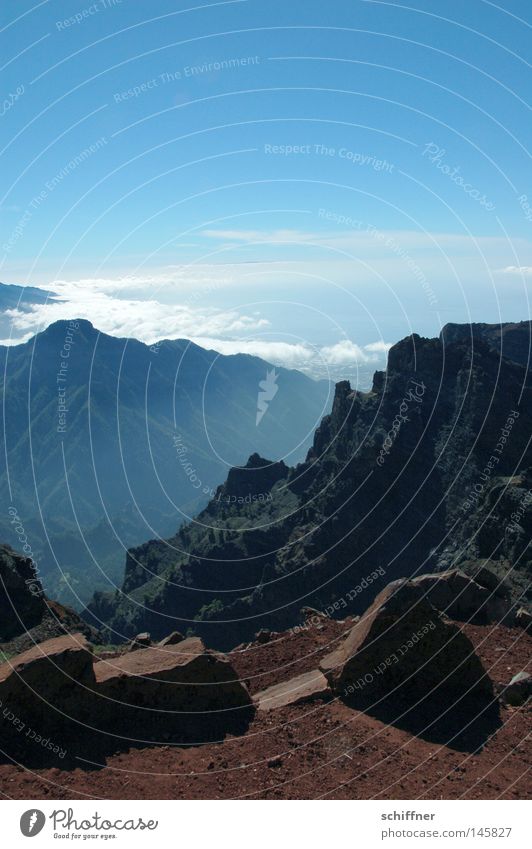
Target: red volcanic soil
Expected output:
[322,749]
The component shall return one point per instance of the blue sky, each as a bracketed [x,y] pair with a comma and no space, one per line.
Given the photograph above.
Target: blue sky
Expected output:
[302,180]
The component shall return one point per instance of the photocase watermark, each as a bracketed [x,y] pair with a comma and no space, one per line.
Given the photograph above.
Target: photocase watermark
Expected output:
[518,514]
[188,71]
[526,207]
[415,395]
[65,824]
[181,450]
[49,186]
[30,733]
[61,376]
[8,102]
[356,158]
[88,12]
[267,391]
[391,659]
[218,495]
[436,155]
[316,618]
[476,491]
[32,822]
[32,583]
[388,241]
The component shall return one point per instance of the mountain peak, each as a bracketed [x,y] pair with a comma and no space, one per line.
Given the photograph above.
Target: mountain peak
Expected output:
[76,326]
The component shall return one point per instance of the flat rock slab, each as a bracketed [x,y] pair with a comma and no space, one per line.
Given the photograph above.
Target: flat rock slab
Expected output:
[170,686]
[155,662]
[303,688]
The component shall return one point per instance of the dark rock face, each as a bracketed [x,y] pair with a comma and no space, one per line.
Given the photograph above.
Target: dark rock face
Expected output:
[22,603]
[172,639]
[246,484]
[43,687]
[519,690]
[427,472]
[509,340]
[462,598]
[27,616]
[403,647]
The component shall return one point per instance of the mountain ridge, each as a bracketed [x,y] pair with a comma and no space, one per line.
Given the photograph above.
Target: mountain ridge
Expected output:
[382,485]
[101,416]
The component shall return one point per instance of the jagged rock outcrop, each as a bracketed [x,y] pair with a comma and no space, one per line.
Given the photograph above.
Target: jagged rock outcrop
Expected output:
[460,597]
[403,647]
[510,340]
[22,603]
[426,472]
[27,616]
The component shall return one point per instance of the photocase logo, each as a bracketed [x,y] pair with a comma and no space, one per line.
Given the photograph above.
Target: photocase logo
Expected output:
[32,822]
[268,392]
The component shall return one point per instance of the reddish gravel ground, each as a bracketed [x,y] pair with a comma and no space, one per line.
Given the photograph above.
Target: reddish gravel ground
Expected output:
[323,749]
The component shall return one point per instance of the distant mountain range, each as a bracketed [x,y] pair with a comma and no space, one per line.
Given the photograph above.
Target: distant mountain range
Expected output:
[432,468]
[21,298]
[109,442]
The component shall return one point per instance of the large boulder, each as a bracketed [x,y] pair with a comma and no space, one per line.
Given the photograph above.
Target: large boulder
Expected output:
[461,597]
[47,683]
[519,690]
[182,691]
[403,645]
[523,618]
[141,641]
[181,688]
[172,639]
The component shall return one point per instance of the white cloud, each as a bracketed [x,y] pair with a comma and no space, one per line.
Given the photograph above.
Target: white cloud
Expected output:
[378,347]
[300,355]
[524,270]
[344,352]
[273,236]
[147,321]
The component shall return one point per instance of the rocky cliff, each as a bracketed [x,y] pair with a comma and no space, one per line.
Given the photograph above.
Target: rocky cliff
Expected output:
[428,470]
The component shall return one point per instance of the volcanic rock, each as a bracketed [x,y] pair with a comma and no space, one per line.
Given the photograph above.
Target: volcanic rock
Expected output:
[181,687]
[22,603]
[462,598]
[141,641]
[172,639]
[44,685]
[519,690]
[27,616]
[523,618]
[303,688]
[403,644]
